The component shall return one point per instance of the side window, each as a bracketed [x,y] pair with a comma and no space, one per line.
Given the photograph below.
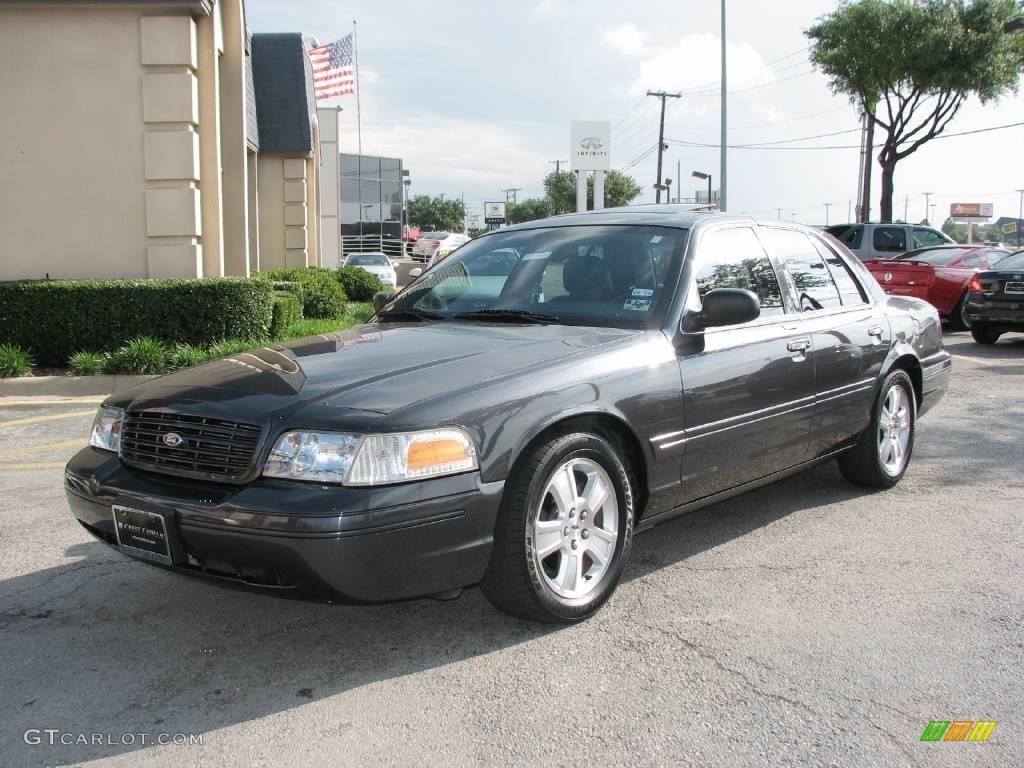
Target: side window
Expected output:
[890,239]
[734,258]
[814,284]
[850,290]
[927,238]
[852,236]
[971,260]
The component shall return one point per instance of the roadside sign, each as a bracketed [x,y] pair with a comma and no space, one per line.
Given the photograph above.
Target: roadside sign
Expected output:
[589,145]
[970,210]
[1009,228]
[494,213]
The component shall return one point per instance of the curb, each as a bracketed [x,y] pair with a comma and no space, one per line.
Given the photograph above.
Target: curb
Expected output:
[27,386]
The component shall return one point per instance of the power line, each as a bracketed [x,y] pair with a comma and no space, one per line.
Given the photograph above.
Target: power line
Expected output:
[773,145]
[643,99]
[643,155]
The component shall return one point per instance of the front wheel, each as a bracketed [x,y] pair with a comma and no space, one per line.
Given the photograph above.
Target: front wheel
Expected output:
[984,335]
[563,532]
[882,453]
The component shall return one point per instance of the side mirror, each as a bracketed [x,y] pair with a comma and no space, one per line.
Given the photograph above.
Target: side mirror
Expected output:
[380,300]
[415,271]
[728,306]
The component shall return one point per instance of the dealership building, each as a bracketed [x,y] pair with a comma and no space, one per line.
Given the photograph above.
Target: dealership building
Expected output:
[147,139]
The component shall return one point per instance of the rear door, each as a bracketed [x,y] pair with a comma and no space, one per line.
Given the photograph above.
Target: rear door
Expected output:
[748,390]
[850,335]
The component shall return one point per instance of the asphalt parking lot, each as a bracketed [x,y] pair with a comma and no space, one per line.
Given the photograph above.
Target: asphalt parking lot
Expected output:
[808,623]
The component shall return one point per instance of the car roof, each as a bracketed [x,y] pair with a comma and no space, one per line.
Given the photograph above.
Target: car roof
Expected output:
[664,215]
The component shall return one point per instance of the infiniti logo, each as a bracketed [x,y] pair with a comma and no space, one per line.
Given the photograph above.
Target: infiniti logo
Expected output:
[173,439]
[591,142]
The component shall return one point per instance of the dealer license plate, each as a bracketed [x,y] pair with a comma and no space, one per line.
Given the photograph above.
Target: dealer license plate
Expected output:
[142,534]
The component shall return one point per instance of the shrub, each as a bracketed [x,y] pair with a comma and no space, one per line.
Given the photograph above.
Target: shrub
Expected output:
[87,363]
[359,284]
[144,355]
[185,356]
[290,286]
[287,312]
[323,295]
[14,361]
[59,317]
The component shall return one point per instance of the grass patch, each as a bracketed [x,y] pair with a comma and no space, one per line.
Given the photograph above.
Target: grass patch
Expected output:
[14,361]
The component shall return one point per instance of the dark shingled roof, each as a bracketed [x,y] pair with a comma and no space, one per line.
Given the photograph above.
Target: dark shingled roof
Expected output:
[285,104]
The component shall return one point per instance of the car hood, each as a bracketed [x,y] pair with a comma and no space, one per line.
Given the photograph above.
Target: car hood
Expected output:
[373,368]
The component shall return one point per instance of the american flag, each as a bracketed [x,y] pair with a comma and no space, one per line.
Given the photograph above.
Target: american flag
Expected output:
[333,74]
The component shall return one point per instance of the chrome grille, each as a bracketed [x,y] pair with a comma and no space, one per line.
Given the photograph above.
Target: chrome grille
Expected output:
[215,449]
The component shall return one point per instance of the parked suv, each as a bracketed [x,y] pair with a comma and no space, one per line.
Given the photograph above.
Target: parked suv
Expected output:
[883,241]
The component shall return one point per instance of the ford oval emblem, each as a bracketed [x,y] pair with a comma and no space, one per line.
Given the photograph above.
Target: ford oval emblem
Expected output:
[887,277]
[173,439]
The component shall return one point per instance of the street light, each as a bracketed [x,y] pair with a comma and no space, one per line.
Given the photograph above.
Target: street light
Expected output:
[702,175]
[668,189]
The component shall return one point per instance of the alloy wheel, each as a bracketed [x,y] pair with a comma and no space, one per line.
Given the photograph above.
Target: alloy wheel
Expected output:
[894,430]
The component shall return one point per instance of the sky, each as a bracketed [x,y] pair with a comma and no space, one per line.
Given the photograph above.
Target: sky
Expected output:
[477,98]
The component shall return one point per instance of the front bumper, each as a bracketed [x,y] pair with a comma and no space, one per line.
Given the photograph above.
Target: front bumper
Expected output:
[303,539]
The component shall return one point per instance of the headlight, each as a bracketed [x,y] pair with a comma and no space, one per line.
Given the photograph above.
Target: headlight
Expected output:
[372,459]
[106,429]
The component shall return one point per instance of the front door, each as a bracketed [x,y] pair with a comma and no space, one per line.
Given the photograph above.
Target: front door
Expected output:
[748,390]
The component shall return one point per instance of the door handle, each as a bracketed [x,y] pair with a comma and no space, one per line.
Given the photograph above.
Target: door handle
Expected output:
[875,331]
[799,345]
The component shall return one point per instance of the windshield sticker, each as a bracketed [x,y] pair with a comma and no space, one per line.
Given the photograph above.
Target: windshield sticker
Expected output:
[656,239]
[642,292]
[638,305]
[536,256]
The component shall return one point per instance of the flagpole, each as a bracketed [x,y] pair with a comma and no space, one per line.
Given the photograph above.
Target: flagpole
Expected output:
[359,116]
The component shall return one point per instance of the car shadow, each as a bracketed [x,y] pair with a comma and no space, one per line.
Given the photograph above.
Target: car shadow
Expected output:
[109,645]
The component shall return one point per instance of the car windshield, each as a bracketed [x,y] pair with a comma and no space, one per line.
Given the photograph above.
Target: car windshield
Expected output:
[436,235]
[937,256]
[369,260]
[617,276]
[1013,261]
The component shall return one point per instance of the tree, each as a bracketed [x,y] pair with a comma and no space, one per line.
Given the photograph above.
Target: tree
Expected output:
[436,214]
[528,210]
[619,190]
[910,65]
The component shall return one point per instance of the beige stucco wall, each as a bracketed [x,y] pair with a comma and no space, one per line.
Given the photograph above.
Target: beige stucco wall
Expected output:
[72,199]
[270,183]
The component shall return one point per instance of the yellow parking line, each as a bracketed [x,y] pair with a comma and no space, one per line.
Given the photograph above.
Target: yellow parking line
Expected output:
[51,417]
[35,465]
[80,442]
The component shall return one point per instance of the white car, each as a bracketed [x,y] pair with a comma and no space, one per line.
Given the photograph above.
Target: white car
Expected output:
[434,246]
[376,264]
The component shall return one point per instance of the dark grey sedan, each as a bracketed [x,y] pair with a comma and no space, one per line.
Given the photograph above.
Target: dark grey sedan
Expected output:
[515,414]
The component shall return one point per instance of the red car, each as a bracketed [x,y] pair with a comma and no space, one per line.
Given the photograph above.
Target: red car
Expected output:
[939,275]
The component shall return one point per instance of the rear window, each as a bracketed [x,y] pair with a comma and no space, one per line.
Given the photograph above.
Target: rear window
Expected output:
[890,239]
[436,235]
[848,234]
[939,256]
[368,261]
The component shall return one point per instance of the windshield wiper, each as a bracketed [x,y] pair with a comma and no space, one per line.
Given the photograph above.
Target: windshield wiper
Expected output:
[508,316]
[410,313]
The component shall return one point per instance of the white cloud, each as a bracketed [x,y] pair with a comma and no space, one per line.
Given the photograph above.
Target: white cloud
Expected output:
[695,62]
[626,39]
[547,6]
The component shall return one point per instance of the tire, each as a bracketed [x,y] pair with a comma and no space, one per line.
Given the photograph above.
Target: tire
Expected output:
[984,335]
[536,513]
[957,321]
[872,462]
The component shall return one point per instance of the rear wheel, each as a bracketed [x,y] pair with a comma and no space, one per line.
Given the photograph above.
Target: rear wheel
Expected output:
[563,532]
[984,335]
[882,453]
[958,318]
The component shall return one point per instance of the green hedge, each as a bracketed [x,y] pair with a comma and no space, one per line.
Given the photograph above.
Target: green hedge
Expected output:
[359,284]
[56,318]
[287,312]
[323,294]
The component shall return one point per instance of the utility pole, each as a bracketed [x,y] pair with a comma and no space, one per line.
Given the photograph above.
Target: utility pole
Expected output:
[679,181]
[661,133]
[849,211]
[511,192]
[827,206]
[1020,215]
[557,164]
[906,209]
[927,207]
[778,214]
[722,175]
